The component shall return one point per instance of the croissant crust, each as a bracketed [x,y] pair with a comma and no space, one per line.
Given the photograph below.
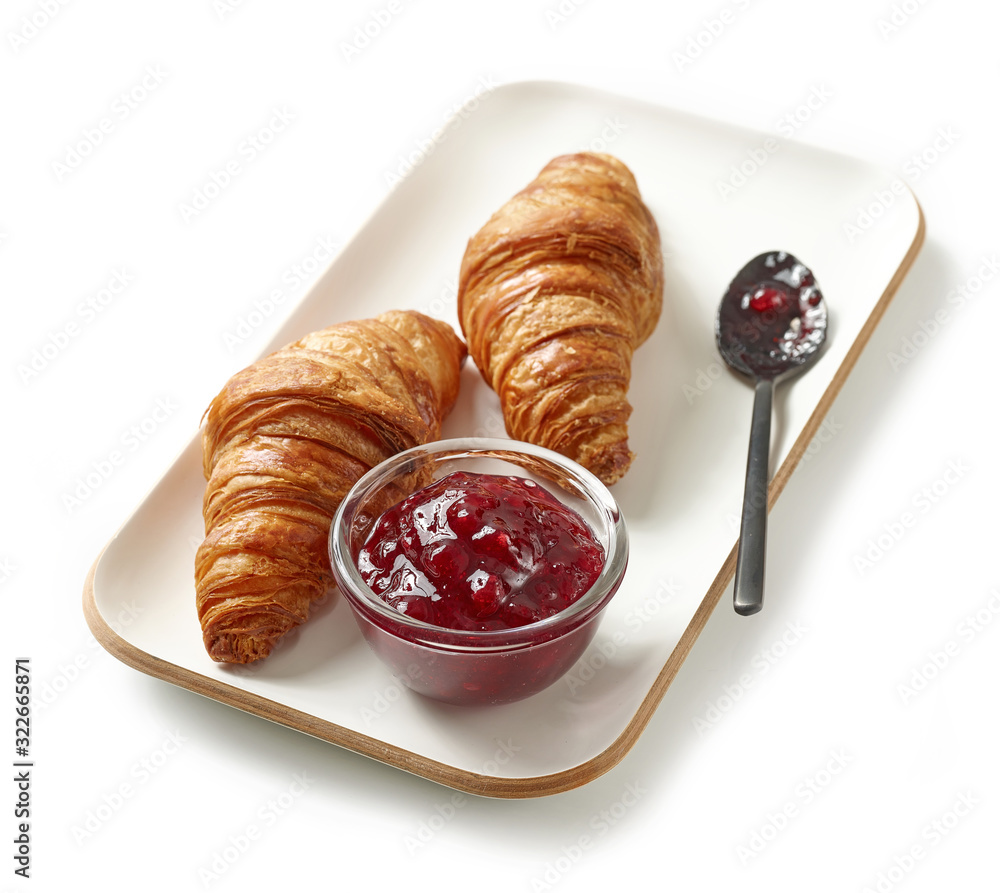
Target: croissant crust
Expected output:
[556,291]
[283,442]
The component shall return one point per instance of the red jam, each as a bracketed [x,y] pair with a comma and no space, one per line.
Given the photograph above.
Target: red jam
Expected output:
[771,314]
[764,299]
[480,552]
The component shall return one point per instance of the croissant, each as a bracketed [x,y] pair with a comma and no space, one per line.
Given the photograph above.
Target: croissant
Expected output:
[283,442]
[555,293]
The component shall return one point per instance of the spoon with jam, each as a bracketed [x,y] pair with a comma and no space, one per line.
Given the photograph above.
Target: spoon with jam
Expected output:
[771,321]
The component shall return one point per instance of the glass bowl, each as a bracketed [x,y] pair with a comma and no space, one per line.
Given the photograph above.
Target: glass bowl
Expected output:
[479,667]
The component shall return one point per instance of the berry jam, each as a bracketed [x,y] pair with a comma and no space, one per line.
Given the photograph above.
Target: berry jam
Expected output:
[764,299]
[480,552]
[772,316]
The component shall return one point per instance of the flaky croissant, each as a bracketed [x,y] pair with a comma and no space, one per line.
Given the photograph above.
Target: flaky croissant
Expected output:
[284,441]
[555,293]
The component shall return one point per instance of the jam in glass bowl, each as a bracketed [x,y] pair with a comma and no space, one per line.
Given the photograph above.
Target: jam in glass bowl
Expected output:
[478,569]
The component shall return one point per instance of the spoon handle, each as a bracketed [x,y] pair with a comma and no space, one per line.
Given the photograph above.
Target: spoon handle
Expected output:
[748,593]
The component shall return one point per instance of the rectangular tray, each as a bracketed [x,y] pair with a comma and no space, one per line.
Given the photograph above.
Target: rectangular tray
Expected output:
[717,205]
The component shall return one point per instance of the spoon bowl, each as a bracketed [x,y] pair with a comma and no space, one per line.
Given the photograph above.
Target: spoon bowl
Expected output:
[771,321]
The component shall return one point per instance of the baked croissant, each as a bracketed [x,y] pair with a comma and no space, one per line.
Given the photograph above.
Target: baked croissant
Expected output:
[555,293]
[284,441]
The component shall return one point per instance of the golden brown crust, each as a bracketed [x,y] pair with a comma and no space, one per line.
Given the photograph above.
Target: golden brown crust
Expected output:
[284,441]
[556,292]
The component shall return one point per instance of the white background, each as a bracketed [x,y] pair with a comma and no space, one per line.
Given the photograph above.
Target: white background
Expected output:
[883,762]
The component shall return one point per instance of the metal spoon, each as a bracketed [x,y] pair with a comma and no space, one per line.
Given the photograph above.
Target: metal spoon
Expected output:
[771,321]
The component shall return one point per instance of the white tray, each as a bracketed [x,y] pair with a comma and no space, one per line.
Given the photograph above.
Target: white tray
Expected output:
[857,226]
